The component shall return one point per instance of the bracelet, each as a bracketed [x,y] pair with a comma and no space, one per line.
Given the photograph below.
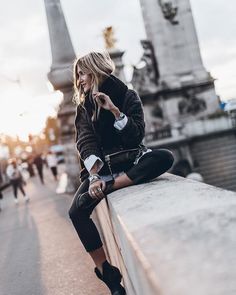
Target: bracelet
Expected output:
[93,178]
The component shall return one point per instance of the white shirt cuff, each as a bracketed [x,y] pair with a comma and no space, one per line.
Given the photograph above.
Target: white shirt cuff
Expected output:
[120,124]
[91,160]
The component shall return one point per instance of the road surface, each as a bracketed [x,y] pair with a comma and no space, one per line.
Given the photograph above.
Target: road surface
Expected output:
[40,253]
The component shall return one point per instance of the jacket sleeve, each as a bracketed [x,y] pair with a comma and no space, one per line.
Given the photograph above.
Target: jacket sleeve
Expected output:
[86,140]
[133,132]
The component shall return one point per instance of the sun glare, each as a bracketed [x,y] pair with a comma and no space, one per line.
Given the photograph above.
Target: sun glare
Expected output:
[21,114]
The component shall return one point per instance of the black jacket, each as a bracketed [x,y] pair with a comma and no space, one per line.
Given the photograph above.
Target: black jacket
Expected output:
[101,136]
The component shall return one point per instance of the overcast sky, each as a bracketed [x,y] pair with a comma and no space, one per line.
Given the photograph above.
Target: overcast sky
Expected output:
[25,49]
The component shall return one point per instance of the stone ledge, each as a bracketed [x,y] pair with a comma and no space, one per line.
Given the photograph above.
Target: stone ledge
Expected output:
[172,236]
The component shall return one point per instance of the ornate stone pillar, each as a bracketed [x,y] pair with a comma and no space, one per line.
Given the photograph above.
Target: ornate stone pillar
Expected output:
[61,78]
[116,55]
[170,27]
[184,89]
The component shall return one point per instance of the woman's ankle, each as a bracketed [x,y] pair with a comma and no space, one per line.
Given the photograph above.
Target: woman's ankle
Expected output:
[99,258]
[100,266]
[122,181]
[109,186]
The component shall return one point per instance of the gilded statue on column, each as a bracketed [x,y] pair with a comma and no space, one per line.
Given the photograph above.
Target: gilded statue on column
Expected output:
[108,34]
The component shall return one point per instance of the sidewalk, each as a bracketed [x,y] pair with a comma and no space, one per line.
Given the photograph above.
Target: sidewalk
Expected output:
[40,253]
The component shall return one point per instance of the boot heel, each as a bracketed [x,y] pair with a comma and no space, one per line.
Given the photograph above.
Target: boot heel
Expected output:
[111,276]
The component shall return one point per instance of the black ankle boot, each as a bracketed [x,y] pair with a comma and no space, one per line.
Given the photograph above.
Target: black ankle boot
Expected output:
[111,276]
[85,201]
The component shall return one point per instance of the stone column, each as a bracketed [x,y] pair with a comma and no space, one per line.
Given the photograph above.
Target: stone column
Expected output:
[183,84]
[175,43]
[61,78]
[116,55]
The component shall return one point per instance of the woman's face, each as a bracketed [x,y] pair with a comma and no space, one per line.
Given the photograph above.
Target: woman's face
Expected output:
[84,79]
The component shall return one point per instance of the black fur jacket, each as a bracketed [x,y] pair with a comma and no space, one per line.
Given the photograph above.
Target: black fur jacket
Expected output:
[100,136]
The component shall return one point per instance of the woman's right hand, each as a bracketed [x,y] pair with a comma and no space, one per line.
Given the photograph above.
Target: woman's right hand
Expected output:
[96,189]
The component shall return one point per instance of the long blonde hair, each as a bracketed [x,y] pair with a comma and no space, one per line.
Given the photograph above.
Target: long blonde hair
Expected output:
[99,65]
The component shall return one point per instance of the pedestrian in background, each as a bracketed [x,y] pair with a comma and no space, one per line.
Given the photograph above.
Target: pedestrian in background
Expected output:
[30,161]
[16,179]
[52,163]
[1,197]
[38,162]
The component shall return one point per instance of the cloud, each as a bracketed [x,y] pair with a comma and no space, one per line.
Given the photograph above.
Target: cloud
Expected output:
[22,56]
[25,48]
[26,114]
[216,27]
[88,21]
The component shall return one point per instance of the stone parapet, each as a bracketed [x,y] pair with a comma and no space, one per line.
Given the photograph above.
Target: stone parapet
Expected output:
[172,236]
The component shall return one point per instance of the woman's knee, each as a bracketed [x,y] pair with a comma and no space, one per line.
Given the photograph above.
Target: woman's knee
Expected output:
[73,211]
[168,158]
[80,216]
[164,156]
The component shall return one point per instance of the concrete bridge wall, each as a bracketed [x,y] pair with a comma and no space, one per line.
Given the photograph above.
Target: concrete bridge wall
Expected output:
[172,236]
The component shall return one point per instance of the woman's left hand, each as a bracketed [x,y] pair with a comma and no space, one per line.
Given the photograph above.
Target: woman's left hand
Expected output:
[104,101]
[96,189]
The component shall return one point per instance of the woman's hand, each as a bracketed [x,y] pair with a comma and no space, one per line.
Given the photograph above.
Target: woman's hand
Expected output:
[105,102]
[96,189]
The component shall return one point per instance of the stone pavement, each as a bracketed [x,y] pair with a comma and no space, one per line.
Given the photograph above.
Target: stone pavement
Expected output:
[40,253]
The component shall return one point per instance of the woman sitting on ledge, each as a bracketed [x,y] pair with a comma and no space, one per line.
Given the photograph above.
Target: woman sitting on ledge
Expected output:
[109,132]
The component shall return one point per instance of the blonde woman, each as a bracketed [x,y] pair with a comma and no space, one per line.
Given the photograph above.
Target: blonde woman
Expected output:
[109,121]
